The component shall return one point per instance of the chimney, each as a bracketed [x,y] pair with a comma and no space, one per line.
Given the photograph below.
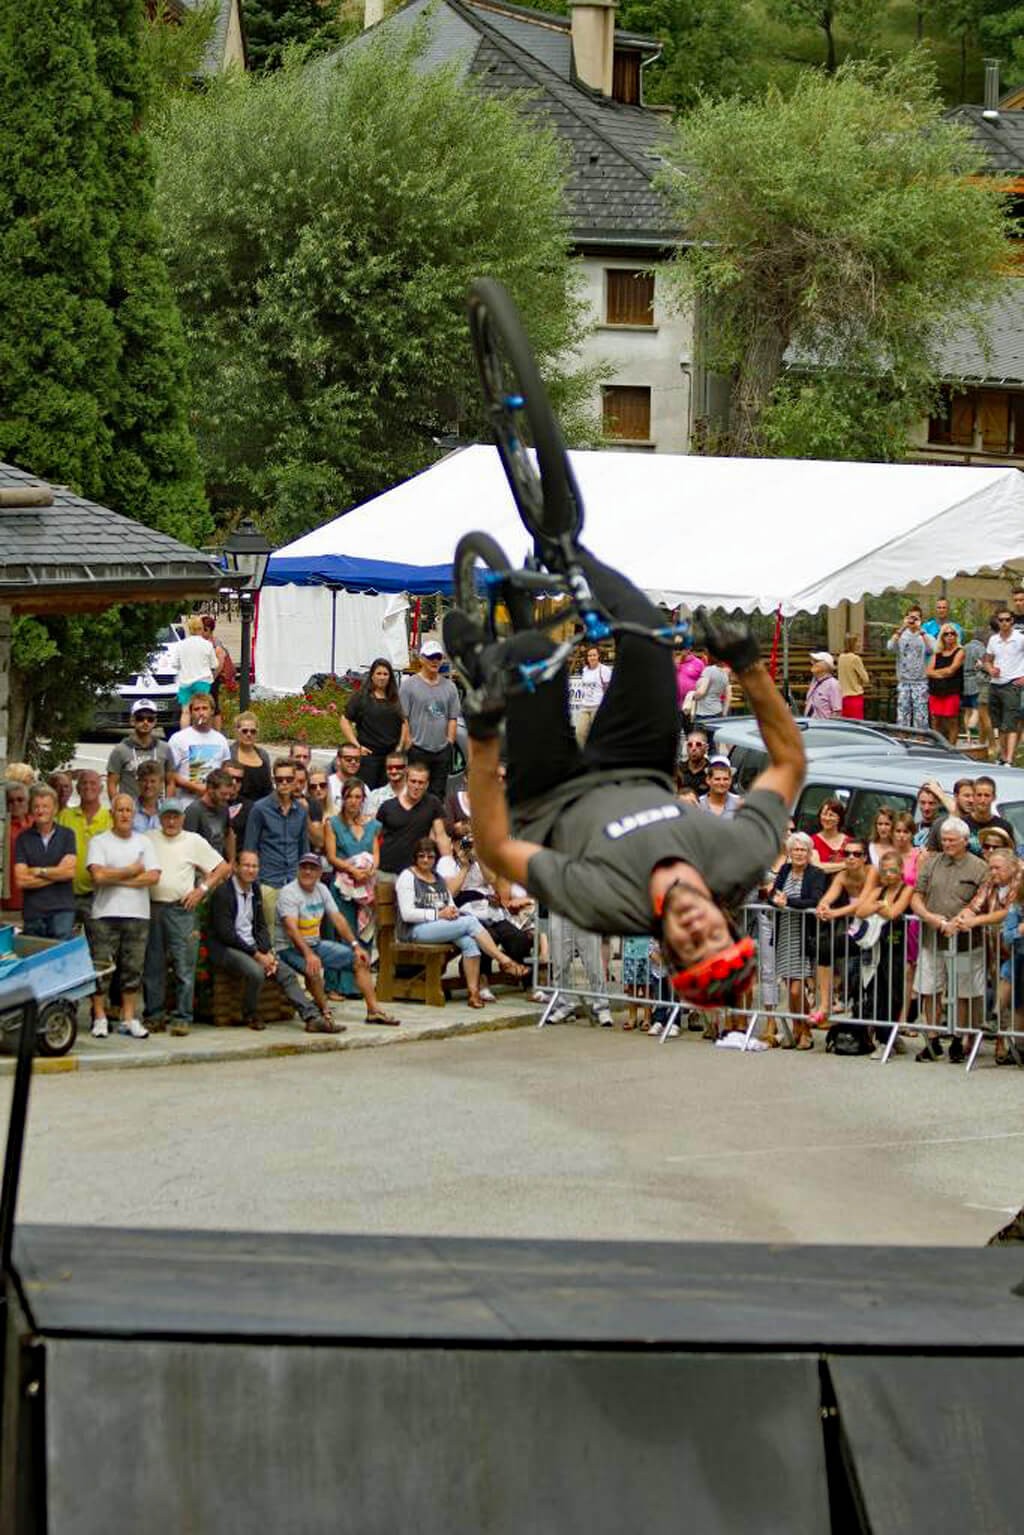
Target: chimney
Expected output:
[991,108]
[373,11]
[593,42]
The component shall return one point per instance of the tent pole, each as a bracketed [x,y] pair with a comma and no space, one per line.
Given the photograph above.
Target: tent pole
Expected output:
[785,659]
[334,630]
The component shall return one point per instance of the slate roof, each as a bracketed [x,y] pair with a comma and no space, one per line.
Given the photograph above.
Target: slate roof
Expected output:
[82,550]
[1001,140]
[614,149]
[962,358]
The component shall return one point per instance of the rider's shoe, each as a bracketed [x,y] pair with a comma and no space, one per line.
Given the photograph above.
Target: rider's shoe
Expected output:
[480,667]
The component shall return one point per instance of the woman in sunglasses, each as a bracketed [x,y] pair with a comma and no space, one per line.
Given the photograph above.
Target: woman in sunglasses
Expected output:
[257,782]
[945,674]
[836,951]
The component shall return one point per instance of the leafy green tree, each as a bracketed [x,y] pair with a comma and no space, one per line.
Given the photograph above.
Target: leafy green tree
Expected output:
[859,18]
[93,378]
[706,46]
[174,45]
[842,222]
[322,227]
[274,27]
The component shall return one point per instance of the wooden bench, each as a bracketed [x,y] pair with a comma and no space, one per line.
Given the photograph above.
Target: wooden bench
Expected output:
[408,972]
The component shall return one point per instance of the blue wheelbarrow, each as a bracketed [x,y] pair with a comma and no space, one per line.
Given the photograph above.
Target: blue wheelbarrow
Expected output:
[59,973]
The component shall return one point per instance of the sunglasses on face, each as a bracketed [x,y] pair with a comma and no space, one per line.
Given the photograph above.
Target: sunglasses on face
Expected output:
[143,717]
[290,779]
[317,783]
[247,730]
[855,852]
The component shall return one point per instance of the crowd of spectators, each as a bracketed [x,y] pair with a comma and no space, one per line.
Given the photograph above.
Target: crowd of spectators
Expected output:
[276,861]
[268,863]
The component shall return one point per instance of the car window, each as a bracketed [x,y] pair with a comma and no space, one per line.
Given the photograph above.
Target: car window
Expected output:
[811,801]
[1014,813]
[866,804]
[747,762]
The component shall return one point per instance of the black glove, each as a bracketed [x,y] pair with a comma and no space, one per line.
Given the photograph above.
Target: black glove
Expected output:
[728,639]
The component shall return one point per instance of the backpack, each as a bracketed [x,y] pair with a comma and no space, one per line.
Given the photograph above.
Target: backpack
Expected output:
[842,1039]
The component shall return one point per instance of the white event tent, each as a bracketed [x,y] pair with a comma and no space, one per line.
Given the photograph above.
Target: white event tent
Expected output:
[754,534]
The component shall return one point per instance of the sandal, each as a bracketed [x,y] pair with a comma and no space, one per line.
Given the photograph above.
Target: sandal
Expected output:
[379,1017]
[512,967]
[807,1043]
[475,1000]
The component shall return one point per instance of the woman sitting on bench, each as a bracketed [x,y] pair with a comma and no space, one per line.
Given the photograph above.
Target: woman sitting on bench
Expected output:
[429,915]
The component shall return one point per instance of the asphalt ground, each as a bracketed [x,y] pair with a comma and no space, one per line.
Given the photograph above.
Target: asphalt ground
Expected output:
[563,1132]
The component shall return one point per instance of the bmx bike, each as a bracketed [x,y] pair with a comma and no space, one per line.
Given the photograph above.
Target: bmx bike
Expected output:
[499,597]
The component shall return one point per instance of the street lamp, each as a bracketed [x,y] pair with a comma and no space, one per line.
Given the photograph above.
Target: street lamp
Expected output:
[246,555]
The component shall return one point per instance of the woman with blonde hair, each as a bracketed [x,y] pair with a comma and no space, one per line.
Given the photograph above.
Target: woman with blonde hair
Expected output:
[196,664]
[853,679]
[257,780]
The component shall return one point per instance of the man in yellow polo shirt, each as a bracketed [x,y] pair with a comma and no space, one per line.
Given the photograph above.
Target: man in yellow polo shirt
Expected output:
[86,820]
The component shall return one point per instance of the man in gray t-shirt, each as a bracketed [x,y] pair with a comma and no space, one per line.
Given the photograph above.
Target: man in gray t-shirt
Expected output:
[599,834]
[430,704]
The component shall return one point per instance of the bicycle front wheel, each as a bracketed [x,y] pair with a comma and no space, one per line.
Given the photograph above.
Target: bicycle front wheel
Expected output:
[521,417]
[478,570]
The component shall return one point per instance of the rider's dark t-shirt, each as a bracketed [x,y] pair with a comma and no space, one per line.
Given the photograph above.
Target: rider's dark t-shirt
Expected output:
[604,845]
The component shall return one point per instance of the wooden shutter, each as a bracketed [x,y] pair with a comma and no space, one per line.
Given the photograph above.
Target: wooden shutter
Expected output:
[961,420]
[627,412]
[630,297]
[626,78]
[994,420]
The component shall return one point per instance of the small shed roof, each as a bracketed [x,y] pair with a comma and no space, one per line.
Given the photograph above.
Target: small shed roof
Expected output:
[70,554]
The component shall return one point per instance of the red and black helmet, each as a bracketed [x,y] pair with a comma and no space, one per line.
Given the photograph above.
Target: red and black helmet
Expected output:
[719,979]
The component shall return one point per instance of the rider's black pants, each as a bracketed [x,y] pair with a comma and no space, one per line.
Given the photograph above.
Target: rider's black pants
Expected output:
[636,725]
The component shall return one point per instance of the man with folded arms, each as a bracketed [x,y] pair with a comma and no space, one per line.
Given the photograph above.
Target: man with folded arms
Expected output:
[189,870]
[124,869]
[45,859]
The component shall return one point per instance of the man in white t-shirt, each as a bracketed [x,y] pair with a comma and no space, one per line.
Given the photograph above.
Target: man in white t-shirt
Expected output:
[198,749]
[189,870]
[124,868]
[1004,662]
[720,800]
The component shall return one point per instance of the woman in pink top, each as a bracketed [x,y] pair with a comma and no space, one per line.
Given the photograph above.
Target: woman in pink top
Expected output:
[689,666]
[824,700]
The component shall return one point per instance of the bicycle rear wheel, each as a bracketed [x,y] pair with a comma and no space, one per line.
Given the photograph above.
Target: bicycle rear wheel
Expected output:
[521,417]
[481,593]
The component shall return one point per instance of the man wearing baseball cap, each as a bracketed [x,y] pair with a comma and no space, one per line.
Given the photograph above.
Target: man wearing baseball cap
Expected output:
[301,908]
[189,870]
[142,745]
[431,706]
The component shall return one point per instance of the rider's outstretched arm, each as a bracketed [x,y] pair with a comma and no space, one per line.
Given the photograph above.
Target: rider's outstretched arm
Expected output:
[733,642]
[488,807]
[787,763]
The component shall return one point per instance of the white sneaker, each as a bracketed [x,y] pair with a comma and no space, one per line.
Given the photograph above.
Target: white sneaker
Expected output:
[100,1028]
[560,1013]
[658,1031]
[487,995]
[604,1018]
[136,1029]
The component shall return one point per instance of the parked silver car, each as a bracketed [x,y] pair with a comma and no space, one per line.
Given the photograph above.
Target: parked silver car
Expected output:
[864,768]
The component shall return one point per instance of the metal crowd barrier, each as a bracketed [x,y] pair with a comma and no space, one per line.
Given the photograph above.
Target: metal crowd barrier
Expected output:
[896,979]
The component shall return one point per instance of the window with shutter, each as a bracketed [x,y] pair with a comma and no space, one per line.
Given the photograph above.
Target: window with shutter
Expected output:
[629,297]
[626,412]
[626,78]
